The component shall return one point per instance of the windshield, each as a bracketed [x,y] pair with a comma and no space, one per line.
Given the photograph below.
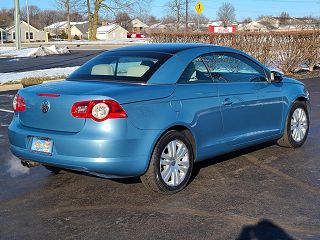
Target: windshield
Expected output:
[121,66]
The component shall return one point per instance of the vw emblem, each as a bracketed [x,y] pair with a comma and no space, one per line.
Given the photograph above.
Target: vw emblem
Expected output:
[45,106]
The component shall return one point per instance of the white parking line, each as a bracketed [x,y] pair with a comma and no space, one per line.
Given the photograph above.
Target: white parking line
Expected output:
[5,110]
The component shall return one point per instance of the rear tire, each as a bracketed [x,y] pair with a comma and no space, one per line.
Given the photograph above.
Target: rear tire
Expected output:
[297,126]
[170,165]
[52,169]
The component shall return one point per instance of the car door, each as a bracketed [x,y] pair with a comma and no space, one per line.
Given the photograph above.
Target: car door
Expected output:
[239,83]
[200,107]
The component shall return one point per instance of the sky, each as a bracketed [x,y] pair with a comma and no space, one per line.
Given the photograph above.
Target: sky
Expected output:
[244,8]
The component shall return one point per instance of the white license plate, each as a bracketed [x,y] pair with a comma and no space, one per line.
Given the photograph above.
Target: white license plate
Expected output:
[43,145]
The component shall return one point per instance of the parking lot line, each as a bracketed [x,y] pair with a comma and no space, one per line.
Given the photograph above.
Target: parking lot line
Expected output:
[5,110]
[277,172]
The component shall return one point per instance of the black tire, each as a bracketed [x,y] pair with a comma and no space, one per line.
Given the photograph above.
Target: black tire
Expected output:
[152,179]
[52,169]
[287,139]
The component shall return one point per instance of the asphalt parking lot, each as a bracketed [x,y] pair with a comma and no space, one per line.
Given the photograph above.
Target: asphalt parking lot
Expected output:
[264,192]
[75,58]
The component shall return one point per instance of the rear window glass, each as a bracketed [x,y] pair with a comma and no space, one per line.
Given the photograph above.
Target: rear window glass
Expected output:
[121,66]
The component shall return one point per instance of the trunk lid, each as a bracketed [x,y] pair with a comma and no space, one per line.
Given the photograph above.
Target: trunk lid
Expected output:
[59,118]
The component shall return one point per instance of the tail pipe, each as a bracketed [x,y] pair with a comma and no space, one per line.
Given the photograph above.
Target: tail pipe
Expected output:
[29,164]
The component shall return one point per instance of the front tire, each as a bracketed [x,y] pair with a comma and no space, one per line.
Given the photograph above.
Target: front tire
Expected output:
[170,165]
[297,126]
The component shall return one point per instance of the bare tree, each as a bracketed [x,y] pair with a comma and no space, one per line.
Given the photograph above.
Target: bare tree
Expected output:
[6,17]
[247,20]
[67,6]
[226,13]
[284,18]
[176,9]
[94,8]
[123,19]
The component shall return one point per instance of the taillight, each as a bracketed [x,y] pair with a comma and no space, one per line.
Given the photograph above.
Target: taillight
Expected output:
[98,110]
[19,104]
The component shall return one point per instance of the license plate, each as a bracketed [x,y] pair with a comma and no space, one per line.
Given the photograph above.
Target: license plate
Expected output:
[43,145]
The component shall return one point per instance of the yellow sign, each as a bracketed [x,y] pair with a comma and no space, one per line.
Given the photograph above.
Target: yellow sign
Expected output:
[199,7]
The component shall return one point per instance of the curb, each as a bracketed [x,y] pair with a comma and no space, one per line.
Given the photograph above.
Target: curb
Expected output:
[10,87]
[18,86]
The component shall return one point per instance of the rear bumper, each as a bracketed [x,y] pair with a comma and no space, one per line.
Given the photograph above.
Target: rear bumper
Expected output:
[108,151]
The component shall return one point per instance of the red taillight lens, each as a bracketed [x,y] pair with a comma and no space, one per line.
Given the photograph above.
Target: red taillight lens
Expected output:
[98,110]
[19,104]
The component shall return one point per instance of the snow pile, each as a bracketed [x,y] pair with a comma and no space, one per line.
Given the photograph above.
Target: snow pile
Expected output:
[53,72]
[8,52]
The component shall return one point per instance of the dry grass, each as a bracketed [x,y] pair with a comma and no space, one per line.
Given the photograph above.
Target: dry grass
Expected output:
[284,50]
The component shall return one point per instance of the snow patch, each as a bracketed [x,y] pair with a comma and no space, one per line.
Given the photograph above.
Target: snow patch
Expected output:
[52,72]
[11,52]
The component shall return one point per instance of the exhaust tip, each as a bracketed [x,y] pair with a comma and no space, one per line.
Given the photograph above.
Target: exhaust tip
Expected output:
[29,164]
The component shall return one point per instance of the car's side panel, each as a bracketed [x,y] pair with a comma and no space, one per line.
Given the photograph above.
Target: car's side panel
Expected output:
[201,111]
[291,92]
[241,112]
[271,106]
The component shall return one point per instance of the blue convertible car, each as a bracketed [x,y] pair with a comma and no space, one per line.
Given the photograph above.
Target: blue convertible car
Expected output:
[155,110]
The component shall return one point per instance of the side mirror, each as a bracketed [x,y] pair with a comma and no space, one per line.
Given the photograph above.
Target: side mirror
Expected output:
[276,76]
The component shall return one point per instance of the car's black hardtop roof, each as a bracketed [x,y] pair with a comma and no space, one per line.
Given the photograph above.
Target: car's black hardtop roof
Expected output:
[169,48]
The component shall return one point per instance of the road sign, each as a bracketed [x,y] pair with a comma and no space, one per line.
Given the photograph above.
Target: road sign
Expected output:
[199,7]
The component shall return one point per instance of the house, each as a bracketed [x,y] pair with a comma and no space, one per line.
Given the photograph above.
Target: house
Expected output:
[253,26]
[57,28]
[111,32]
[3,35]
[80,30]
[36,35]
[138,26]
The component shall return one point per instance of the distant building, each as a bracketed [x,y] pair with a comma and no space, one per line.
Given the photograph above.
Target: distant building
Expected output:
[111,32]
[57,28]
[230,28]
[253,26]
[80,30]
[3,35]
[138,26]
[266,24]
[36,35]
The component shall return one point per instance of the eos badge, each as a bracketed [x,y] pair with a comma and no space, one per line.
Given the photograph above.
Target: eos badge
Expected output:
[45,106]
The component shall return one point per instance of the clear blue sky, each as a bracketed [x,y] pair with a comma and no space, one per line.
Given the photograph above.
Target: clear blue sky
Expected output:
[244,8]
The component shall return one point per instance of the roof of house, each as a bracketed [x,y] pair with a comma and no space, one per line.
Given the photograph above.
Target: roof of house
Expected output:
[109,28]
[82,27]
[63,24]
[23,22]
[138,23]
[252,25]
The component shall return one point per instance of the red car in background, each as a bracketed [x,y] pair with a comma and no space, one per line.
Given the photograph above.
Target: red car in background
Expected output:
[135,35]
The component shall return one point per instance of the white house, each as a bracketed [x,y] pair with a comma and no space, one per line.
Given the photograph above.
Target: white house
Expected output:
[138,26]
[77,28]
[35,34]
[111,32]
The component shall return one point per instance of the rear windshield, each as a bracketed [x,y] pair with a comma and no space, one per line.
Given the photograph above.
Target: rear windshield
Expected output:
[121,66]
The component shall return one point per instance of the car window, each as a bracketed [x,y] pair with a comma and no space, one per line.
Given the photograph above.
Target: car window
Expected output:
[122,66]
[195,72]
[231,67]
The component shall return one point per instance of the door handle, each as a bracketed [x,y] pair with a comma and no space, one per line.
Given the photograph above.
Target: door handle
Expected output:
[227,102]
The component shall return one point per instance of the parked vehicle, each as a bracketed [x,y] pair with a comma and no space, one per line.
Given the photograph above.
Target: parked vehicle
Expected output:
[135,35]
[156,109]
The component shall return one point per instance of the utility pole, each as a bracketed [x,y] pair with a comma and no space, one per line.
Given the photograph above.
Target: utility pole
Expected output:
[187,11]
[17,24]
[28,20]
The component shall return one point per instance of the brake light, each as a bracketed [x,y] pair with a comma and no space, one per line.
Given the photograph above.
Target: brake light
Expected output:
[48,95]
[19,104]
[98,110]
